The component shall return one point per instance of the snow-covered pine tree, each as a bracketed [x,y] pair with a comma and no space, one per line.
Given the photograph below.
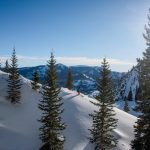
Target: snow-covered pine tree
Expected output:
[14,84]
[103,119]
[35,80]
[142,127]
[51,122]
[69,83]
[126,106]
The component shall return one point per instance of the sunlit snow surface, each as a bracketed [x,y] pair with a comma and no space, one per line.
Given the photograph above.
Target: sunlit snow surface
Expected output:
[19,125]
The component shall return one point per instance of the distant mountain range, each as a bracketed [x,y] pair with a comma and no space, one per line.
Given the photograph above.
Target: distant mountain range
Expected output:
[86,76]
[83,76]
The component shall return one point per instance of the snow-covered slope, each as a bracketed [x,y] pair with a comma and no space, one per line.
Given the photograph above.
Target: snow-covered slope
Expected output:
[130,82]
[19,125]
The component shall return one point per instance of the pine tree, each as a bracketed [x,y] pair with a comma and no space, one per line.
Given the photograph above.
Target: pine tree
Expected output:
[138,94]
[35,82]
[103,119]
[126,106]
[69,83]
[14,84]
[6,68]
[142,127]
[51,122]
[130,95]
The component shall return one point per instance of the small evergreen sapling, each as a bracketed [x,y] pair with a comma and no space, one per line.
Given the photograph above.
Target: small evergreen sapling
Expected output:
[35,80]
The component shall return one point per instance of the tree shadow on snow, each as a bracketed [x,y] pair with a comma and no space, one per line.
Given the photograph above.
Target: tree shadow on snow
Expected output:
[73,96]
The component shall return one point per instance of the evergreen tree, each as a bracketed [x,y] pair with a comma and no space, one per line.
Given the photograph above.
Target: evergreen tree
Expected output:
[51,122]
[103,119]
[35,82]
[138,93]
[125,98]
[69,83]
[142,127]
[126,106]
[14,84]
[6,68]
[130,95]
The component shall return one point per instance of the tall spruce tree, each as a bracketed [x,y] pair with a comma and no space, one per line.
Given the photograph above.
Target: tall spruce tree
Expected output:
[103,119]
[69,83]
[51,122]
[142,127]
[14,84]
[35,80]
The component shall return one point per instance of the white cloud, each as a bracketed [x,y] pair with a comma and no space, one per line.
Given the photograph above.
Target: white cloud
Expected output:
[116,64]
[3,59]
[89,61]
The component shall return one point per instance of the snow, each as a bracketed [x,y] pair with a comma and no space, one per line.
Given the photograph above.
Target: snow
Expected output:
[130,81]
[19,125]
[79,122]
[131,104]
[120,103]
[94,94]
[88,77]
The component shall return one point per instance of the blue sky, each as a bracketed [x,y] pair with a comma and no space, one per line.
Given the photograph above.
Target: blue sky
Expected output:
[78,31]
